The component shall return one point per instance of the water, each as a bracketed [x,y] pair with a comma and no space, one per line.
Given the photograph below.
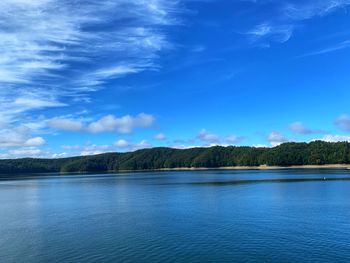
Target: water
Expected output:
[207,216]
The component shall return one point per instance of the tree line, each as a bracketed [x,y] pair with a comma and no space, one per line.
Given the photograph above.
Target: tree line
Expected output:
[287,154]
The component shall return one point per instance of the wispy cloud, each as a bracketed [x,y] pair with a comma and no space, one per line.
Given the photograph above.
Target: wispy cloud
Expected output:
[281,26]
[302,10]
[330,49]
[267,31]
[66,49]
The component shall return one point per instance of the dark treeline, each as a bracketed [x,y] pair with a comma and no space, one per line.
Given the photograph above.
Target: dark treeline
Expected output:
[314,153]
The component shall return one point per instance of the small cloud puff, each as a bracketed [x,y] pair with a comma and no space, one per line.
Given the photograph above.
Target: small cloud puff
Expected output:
[160,137]
[299,128]
[207,136]
[276,138]
[343,122]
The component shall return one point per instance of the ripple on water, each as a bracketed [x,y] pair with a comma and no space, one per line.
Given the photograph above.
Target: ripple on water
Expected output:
[209,216]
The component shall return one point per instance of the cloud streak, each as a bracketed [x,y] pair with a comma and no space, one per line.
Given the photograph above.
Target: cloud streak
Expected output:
[336,47]
[55,50]
[311,8]
[267,31]
[291,13]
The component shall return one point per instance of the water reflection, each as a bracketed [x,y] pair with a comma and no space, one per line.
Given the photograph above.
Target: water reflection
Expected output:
[207,216]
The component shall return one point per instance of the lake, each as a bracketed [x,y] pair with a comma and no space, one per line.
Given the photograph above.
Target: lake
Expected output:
[196,216]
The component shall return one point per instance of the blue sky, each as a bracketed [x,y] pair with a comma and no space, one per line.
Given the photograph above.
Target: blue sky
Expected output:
[86,77]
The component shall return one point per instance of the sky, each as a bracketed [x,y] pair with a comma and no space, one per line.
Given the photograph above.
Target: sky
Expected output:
[85,77]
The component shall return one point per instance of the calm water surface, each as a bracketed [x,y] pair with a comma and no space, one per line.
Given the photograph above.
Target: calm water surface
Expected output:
[207,216]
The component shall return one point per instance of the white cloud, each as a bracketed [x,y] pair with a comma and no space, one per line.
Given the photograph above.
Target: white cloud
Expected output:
[93,149]
[110,123]
[36,103]
[233,139]
[160,137]
[24,152]
[31,152]
[209,137]
[65,124]
[46,42]
[60,155]
[123,125]
[343,122]
[265,31]
[299,128]
[280,27]
[70,147]
[333,48]
[116,71]
[276,138]
[336,138]
[121,144]
[310,8]
[85,149]
[141,145]
[212,139]
[18,137]
[36,141]
[260,146]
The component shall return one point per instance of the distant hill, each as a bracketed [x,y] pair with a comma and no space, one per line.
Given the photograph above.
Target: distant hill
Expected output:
[288,154]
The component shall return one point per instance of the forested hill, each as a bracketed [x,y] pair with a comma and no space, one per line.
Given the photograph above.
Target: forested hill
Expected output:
[314,153]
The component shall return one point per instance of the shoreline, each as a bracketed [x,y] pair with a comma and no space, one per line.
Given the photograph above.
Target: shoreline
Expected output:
[262,167]
[228,168]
